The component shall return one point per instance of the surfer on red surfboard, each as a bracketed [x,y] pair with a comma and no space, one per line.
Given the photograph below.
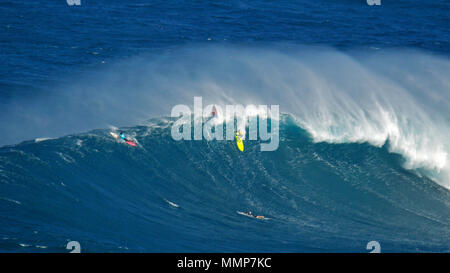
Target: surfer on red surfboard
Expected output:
[130,142]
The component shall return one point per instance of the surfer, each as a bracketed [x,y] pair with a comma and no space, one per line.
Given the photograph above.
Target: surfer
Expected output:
[122,136]
[250,214]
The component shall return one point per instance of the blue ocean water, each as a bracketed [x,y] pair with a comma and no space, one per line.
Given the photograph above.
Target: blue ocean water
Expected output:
[364,147]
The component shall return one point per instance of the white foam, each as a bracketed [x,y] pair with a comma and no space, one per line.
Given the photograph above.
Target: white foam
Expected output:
[171,203]
[11,200]
[40,139]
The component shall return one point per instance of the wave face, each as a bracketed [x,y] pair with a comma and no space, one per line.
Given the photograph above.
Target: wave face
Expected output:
[182,196]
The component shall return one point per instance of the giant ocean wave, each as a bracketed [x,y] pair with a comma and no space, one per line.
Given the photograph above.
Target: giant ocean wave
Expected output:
[363,155]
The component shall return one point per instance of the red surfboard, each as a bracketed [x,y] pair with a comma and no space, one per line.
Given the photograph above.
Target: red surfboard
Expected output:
[131,143]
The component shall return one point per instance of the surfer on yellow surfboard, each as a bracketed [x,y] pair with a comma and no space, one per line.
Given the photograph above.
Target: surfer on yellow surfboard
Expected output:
[239,142]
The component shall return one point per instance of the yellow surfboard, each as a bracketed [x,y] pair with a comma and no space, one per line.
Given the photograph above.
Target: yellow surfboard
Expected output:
[239,143]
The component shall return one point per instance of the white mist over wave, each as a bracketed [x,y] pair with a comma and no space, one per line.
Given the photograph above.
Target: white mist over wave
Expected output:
[399,96]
